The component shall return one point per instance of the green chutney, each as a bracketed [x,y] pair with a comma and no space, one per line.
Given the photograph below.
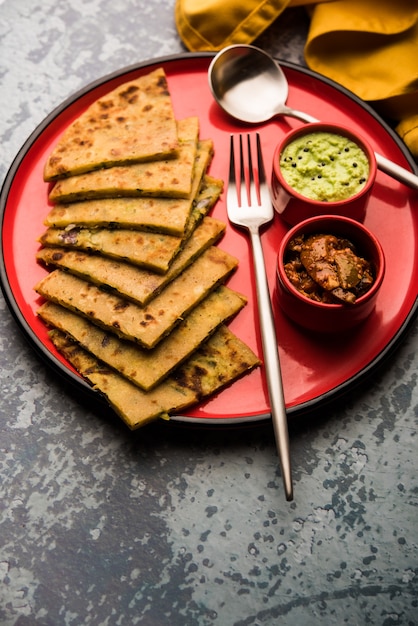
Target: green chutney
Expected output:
[324,166]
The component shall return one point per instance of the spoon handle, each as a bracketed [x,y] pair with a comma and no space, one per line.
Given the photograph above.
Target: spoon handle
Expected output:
[396,171]
[300,115]
[384,164]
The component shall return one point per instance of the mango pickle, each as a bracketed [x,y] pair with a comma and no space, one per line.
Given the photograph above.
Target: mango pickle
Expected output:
[328,269]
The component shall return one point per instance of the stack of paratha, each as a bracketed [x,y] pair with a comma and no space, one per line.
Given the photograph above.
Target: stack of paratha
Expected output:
[136,298]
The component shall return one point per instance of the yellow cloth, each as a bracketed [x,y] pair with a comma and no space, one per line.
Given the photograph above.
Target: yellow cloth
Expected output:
[213,24]
[374,53]
[370,48]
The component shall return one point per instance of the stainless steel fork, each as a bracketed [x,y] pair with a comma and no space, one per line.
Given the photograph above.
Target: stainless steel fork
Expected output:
[249,206]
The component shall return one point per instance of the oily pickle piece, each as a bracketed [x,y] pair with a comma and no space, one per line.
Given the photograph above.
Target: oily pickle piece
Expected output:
[328,269]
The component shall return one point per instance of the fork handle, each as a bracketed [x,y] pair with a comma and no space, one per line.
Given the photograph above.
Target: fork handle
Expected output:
[272,363]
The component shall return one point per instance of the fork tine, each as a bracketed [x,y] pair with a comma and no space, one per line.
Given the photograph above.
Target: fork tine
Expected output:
[232,178]
[260,163]
[241,161]
[263,187]
[252,185]
[236,181]
[243,185]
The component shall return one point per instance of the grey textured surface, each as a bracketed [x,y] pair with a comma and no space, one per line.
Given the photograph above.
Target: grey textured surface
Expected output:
[174,526]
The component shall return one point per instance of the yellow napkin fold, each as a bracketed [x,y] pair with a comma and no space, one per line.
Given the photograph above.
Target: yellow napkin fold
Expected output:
[408,131]
[368,47]
[214,24]
[374,53]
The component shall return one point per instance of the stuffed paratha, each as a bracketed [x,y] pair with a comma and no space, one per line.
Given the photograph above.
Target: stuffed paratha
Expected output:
[163,178]
[134,122]
[220,361]
[153,251]
[131,281]
[165,215]
[145,368]
[145,325]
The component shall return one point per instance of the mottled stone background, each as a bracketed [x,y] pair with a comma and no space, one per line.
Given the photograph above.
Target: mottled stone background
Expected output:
[175,526]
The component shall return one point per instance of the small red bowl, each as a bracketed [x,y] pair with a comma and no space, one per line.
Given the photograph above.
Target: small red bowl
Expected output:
[318,316]
[293,207]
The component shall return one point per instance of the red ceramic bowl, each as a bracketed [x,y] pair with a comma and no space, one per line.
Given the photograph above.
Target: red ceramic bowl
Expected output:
[294,207]
[330,318]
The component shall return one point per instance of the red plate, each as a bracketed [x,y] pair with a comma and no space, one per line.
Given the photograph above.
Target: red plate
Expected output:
[315,369]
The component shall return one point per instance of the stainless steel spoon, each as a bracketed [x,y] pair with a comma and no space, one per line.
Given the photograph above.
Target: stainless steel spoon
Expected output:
[251,87]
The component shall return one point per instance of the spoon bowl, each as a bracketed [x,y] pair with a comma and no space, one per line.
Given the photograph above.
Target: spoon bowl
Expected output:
[250,85]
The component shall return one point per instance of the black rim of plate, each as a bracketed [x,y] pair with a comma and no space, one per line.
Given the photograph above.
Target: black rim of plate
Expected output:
[82,385]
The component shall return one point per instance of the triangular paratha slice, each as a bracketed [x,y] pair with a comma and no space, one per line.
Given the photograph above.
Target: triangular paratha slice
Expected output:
[145,368]
[163,178]
[161,215]
[132,123]
[145,325]
[219,362]
[132,282]
[153,251]
[165,215]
